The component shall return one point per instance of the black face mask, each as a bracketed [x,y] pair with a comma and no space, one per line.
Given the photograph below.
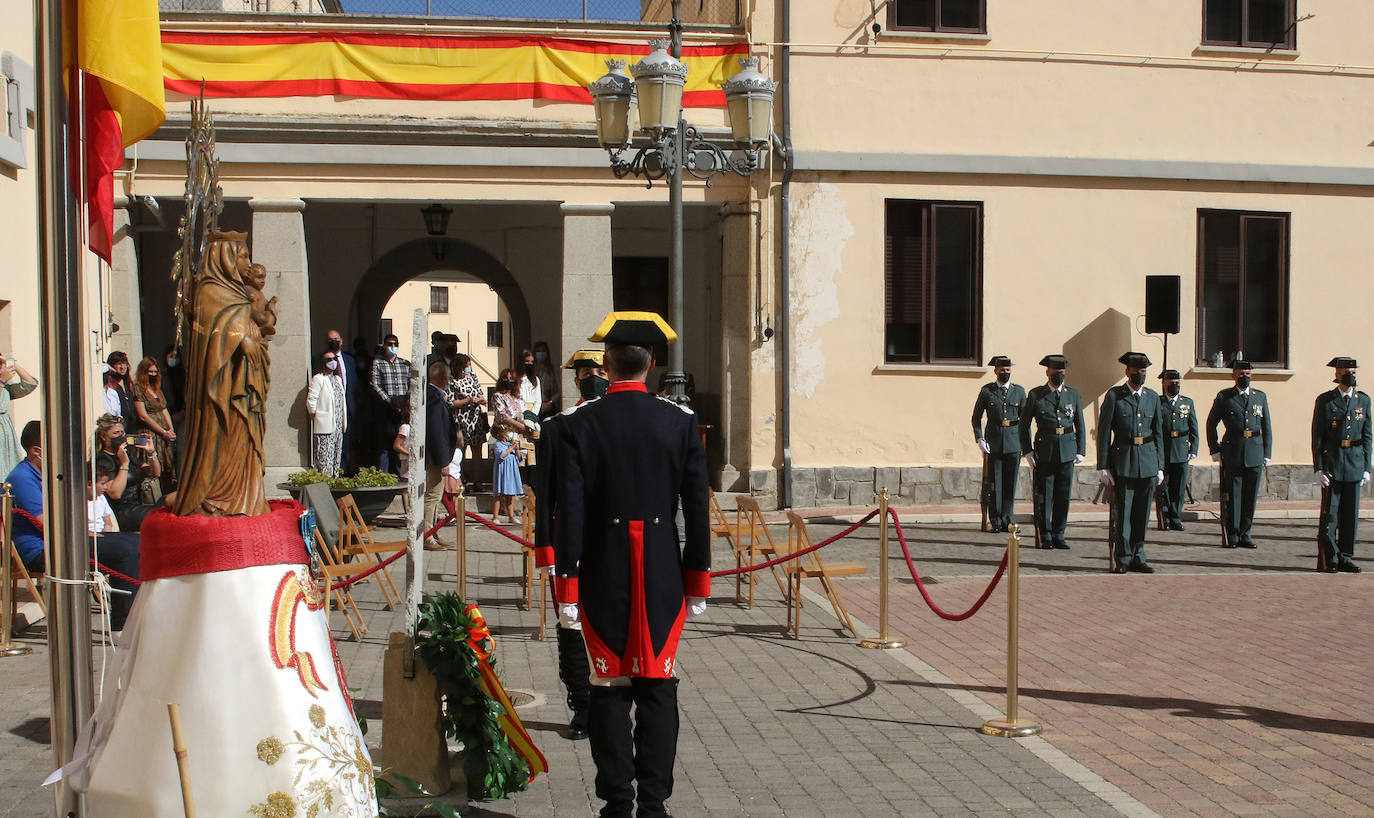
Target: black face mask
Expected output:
[529,367]
[117,441]
[1057,378]
[1172,390]
[335,344]
[1348,379]
[1137,379]
[1003,377]
[1243,382]
[593,387]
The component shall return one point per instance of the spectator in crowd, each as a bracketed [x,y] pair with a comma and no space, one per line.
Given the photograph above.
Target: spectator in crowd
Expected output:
[439,439]
[391,384]
[349,378]
[150,407]
[119,553]
[137,469]
[113,549]
[469,411]
[324,401]
[507,405]
[174,384]
[506,484]
[546,373]
[120,390]
[436,348]
[531,394]
[10,450]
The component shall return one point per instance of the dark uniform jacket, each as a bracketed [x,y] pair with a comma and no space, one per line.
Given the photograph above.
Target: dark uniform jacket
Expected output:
[1058,417]
[546,477]
[1249,438]
[1130,439]
[1342,437]
[1003,429]
[624,464]
[1180,429]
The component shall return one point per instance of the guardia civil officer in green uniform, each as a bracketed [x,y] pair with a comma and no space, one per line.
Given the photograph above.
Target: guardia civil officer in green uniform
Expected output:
[1130,456]
[1243,451]
[1000,439]
[1342,442]
[1056,411]
[1180,445]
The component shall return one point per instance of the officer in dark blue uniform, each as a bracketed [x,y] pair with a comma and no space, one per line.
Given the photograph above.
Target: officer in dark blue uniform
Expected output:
[1180,445]
[626,464]
[1000,440]
[1342,442]
[1060,441]
[1243,451]
[1130,456]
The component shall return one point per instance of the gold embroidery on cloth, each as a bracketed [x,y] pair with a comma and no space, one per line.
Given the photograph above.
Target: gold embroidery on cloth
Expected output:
[332,770]
[277,805]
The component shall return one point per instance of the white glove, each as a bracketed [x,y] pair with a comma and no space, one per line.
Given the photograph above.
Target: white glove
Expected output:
[544,569]
[1323,478]
[1107,479]
[1078,458]
[1193,455]
[1364,481]
[569,613]
[983,444]
[696,606]
[1216,458]
[1159,478]
[1030,458]
[1266,461]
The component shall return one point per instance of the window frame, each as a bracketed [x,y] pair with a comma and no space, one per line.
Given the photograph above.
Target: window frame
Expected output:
[930,318]
[1285,282]
[438,306]
[1288,43]
[982,27]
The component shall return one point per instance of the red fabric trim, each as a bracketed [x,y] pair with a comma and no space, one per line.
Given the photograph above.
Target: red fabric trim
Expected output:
[172,546]
[696,583]
[103,152]
[330,86]
[565,590]
[543,556]
[639,645]
[432,41]
[627,386]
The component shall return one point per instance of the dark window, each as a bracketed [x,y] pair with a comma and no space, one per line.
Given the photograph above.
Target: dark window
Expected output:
[641,283]
[384,330]
[933,275]
[1250,23]
[495,335]
[438,298]
[962,16]
[1242,291]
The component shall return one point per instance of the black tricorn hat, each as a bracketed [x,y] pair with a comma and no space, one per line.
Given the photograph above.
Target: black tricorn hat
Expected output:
[1055,362]
[1136,359]
[1342,362]
[1170,375]
[999,360]
[1240,363]
[641,329]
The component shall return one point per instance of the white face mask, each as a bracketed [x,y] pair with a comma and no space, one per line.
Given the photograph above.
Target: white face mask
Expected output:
[331,365]
[393,351]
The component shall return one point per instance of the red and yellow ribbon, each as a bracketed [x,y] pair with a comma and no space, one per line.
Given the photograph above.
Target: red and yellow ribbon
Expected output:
[479,639]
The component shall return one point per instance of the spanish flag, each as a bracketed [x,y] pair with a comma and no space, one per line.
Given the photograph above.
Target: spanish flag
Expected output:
[117,46]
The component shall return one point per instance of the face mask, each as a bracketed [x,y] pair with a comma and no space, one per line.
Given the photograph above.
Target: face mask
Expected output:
[335,344]
[393,351]
[1137,379]
[173,361]
[153,376]
[541,356]
[1003,377]
[117,441]
[331,365]
[468,370]
[529,367]
[592,387]
[1348,379]
[1057,378]
[1243,382]
[1172,390]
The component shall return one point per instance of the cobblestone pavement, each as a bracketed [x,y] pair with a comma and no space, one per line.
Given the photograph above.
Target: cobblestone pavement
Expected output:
[1229,683]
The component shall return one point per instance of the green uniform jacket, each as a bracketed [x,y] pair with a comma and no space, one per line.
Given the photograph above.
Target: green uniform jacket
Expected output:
[1129,439]
[1241,417]
[1003,429]
[1342,437]
[1180,429]
[1058,417]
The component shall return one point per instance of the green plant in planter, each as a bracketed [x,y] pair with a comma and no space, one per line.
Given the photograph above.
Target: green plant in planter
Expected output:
[492,767]
[367,477]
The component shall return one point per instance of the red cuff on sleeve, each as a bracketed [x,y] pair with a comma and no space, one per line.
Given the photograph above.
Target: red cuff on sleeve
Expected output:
[565,589]
[696,583]
[543,556]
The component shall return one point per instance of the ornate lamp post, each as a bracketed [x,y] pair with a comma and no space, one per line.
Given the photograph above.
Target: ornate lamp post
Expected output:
[673,146]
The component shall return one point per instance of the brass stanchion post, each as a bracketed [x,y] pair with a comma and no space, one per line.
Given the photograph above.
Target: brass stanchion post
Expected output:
[883,642]
[1012,726]
[8,647]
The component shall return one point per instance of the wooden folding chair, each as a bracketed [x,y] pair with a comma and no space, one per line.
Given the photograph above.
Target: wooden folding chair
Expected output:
[752,540]
[20,573]
[333,568]
[812,567]
[355,540]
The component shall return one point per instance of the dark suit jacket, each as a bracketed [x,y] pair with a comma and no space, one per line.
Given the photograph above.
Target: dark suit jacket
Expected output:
[439,438]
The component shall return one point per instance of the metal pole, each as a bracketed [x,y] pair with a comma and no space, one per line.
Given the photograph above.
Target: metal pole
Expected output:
[8,648]
[676,379]
[1012,726]
[883,642]
[60,297]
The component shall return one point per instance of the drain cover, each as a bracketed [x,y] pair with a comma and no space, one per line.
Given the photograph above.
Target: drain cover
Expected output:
[520,698]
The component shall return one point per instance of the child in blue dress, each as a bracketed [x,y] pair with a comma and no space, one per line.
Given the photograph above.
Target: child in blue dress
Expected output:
[506,483]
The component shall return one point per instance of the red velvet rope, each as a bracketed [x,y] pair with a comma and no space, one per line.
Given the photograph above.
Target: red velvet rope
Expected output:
[1001,569]
[524,543]
[344,583]
[795,554]
[104,569]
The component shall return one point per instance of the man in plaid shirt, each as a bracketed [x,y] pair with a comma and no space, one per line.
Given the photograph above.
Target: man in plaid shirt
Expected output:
[391,382]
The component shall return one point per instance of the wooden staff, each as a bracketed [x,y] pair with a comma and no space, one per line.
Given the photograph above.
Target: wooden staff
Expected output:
[183,767]
[985,495]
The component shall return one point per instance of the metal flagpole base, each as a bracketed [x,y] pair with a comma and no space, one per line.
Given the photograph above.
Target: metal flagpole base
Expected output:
[881,644]
[15,650]
[1010,729]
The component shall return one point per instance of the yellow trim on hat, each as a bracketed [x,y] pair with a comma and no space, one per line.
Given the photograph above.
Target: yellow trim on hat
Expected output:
[596,355]
[631,315]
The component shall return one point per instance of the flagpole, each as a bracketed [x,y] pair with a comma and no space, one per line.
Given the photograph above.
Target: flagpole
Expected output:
[60,296]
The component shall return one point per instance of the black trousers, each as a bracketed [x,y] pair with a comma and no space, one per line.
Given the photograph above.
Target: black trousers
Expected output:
[575,673]
[1053,483]
[1176,487]
[1002,492]
[643,753]
[1243,485]
[1340,521]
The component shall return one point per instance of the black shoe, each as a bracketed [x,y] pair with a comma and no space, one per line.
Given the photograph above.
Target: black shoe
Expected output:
[1142,568]
[1117,569]
[1348,568]
[1247,544]
[577,728]
[1327,570]
[1175,525]
[1061,545]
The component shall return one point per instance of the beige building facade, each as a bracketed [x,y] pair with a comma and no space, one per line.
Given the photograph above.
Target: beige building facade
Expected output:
[975,178]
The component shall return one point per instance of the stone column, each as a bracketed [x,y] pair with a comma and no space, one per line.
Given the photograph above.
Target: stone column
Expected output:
[278,243]
[587,286]
[736,325]
[125,302]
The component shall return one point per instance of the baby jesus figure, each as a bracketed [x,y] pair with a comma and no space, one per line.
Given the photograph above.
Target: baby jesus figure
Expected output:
[262,311]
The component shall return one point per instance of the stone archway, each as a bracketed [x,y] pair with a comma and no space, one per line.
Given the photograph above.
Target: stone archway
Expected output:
[416,258]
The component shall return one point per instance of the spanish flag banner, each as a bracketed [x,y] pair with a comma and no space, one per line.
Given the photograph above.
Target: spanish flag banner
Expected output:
[417,66]
[116,46]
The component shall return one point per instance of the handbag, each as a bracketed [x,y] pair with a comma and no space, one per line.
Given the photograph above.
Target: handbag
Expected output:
[150,491]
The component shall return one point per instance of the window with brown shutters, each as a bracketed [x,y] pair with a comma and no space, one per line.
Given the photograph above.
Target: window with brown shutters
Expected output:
[438,298]
[1250,23]
[1242,287]
[933,282]
[954,16]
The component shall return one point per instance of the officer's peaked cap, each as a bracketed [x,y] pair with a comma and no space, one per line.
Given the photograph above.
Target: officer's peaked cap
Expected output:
[641,329]
[1341,362]
[585,357]
[999,360]
[1055,362]
[1136,359]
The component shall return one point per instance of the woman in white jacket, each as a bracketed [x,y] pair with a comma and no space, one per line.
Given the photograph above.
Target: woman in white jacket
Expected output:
[328,423]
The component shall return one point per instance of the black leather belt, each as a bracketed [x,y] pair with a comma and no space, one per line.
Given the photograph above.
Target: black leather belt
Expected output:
[1141,441]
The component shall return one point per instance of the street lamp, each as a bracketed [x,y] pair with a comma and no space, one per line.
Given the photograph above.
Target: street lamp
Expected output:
[674,146]
[436,225]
